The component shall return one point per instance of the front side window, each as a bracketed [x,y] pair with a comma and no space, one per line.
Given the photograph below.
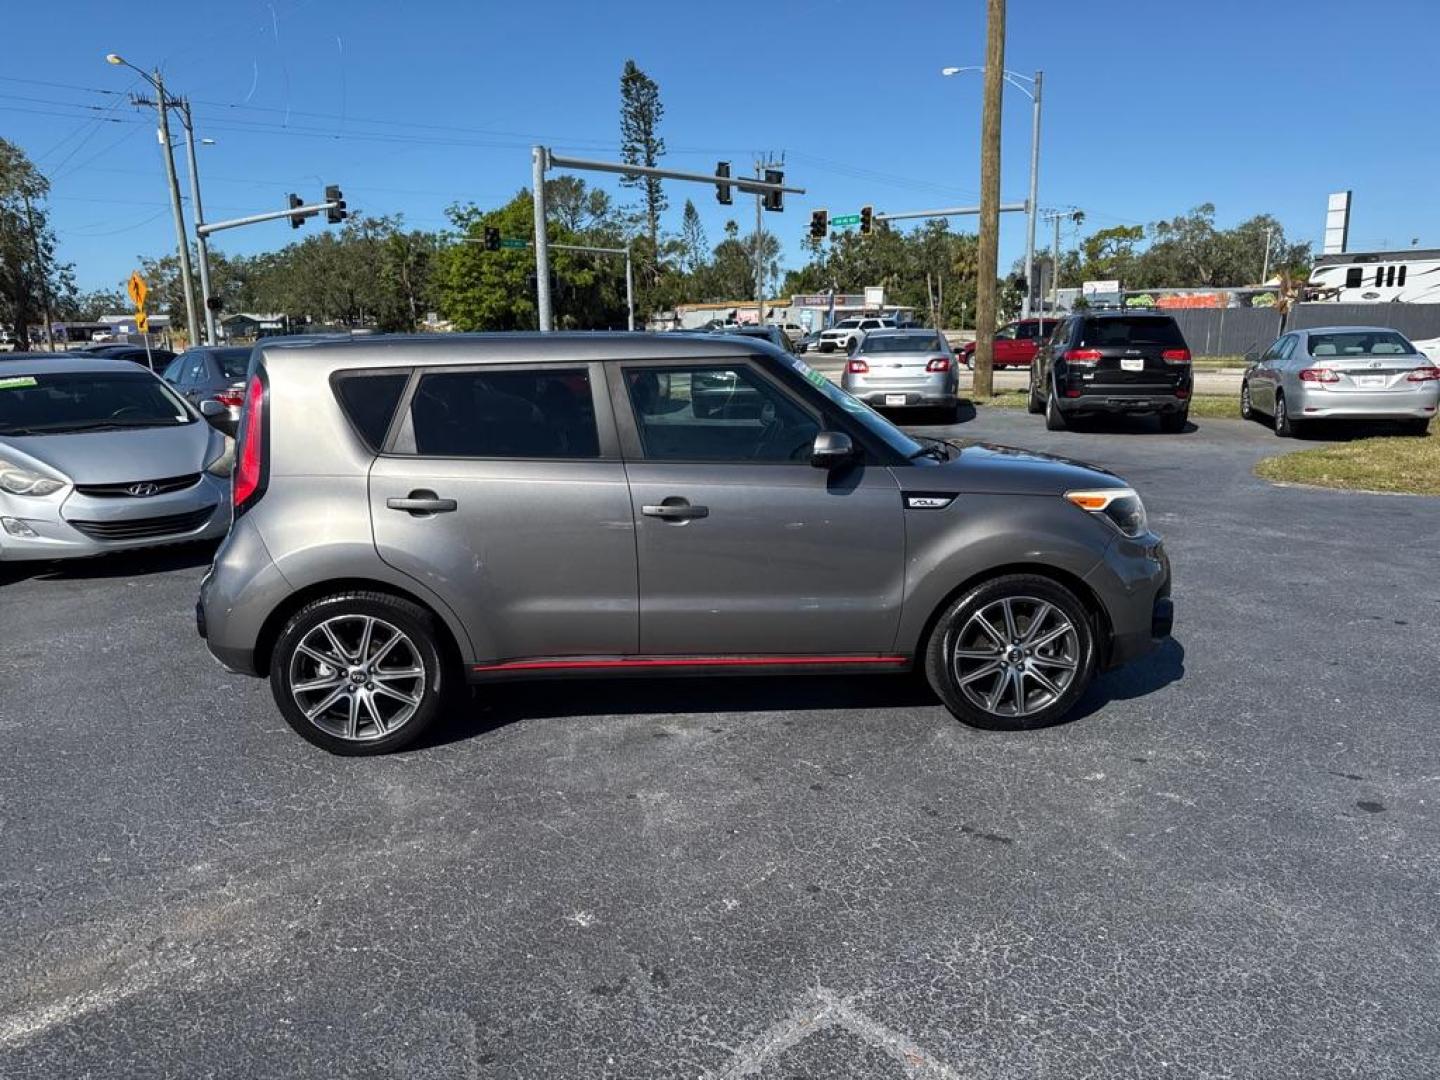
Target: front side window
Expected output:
[56,403]
[1026,331]
[1006,333]
[722,413]
[500,413]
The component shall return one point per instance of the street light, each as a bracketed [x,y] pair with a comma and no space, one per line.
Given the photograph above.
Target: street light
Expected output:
[1033,92]
[162,103]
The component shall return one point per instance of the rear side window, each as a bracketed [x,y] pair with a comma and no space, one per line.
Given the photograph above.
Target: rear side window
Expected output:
[369,401]
[505,414]
[1132,331]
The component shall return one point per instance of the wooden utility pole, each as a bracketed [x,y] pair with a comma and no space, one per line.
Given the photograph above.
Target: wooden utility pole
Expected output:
[989,247]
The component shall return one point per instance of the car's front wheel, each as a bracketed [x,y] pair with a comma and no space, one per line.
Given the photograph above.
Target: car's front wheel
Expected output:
[359,672]
[1012,653]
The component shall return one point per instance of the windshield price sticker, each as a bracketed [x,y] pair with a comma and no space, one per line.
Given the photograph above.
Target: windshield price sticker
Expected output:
[17,382]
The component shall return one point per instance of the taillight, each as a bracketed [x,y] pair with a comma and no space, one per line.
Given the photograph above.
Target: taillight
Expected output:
[250,460]
[940,363]
[1319,374]
[1176,356]
[233,398]
[1423,374]
[1082,356]
[857,367]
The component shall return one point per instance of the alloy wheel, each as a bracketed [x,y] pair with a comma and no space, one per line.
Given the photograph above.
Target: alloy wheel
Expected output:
[1015,656]
[357,677]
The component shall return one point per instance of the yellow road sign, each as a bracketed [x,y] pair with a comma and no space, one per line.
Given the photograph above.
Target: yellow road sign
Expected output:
[137,290]
[142,321]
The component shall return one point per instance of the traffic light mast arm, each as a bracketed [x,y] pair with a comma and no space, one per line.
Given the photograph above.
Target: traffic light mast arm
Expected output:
[749,185]
[274,215]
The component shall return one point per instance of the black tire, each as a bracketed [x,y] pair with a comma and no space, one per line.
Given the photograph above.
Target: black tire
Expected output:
[1173,423]
[1284,426]
[949,631]
[1417,427]
[1247,407]
[422,644]
[1034,405]
[1054,418]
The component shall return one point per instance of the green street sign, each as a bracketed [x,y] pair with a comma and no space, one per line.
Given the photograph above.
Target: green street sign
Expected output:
[521,244]
[845,219]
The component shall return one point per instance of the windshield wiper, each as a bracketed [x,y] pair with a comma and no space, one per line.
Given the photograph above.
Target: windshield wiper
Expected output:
[100,425]
[936,450]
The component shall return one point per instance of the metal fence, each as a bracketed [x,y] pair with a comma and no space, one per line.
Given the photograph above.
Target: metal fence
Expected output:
[1415,321]
[1227,331]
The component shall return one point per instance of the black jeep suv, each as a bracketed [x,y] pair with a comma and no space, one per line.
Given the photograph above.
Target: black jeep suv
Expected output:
[1113,362]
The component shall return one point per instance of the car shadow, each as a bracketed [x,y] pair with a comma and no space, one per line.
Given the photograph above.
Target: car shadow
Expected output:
[1128,424]
[498,705]
[923,418]
[1137,679]
[121,564]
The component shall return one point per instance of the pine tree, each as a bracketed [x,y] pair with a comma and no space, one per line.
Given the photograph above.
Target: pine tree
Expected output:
[640,142]
[692,236]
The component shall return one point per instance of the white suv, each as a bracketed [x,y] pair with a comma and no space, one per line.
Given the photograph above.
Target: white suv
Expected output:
[848,333]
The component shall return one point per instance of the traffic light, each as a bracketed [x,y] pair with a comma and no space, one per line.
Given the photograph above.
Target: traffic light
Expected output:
[819,224]
[867,220]
[722,189]
[296,220]
[492,239]
[337,213]
[774,200]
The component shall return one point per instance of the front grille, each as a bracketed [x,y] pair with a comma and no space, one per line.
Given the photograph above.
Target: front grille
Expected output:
[122,490]
[145,528]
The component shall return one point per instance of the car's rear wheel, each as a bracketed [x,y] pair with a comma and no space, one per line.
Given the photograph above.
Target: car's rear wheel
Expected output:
[1054,418]
[1012,653]
[1174,422]
[1417,427]
[1247,407]
[1034,404]
[359,672]
[1285,428]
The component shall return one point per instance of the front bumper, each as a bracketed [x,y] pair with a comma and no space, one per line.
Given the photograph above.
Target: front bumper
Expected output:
[75,526]
[1320,404]
[1133,584]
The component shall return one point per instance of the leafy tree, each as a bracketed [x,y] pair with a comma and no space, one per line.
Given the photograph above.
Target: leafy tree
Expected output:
[640,141]
[25,273]
[89,306]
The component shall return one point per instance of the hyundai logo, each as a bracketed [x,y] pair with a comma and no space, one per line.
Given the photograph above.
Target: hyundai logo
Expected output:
[141,490]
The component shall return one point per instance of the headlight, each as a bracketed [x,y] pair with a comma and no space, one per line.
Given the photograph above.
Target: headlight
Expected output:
[223,462]
[1121,505]
[18,481]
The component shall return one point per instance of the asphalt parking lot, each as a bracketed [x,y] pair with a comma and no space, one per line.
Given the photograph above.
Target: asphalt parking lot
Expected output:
[1225,866]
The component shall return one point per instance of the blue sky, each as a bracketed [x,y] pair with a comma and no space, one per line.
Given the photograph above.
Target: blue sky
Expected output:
[1150,109]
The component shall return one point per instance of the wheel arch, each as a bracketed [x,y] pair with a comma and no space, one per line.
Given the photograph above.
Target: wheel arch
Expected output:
[275,621]
[1099,618]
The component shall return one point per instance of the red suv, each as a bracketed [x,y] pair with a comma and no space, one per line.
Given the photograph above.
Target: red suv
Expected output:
[1015,343]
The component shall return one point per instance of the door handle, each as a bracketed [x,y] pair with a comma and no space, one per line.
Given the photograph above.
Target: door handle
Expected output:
[676,511]
[422,504]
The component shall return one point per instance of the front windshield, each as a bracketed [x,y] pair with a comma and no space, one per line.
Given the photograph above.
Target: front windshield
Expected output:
[903,343]
[858,411]
[52,403]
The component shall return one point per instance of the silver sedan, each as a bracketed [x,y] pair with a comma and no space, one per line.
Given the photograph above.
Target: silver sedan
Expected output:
[904,369]
[1341,373]
[100,455]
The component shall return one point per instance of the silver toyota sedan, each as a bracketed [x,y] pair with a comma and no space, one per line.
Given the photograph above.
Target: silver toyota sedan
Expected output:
[1341,373]
[904,369]
[100,455]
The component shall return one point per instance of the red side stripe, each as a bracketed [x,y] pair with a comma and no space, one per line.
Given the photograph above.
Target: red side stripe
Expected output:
[693,661]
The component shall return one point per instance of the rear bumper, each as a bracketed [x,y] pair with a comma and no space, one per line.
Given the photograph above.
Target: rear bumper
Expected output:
[1315,403]
[237,596]
[928,390]
[1117,400]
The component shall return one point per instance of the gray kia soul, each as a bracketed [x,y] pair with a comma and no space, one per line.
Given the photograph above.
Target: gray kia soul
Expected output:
[412,514]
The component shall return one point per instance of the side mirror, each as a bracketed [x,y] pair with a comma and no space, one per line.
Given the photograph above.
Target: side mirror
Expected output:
[210,409]
[831,450]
